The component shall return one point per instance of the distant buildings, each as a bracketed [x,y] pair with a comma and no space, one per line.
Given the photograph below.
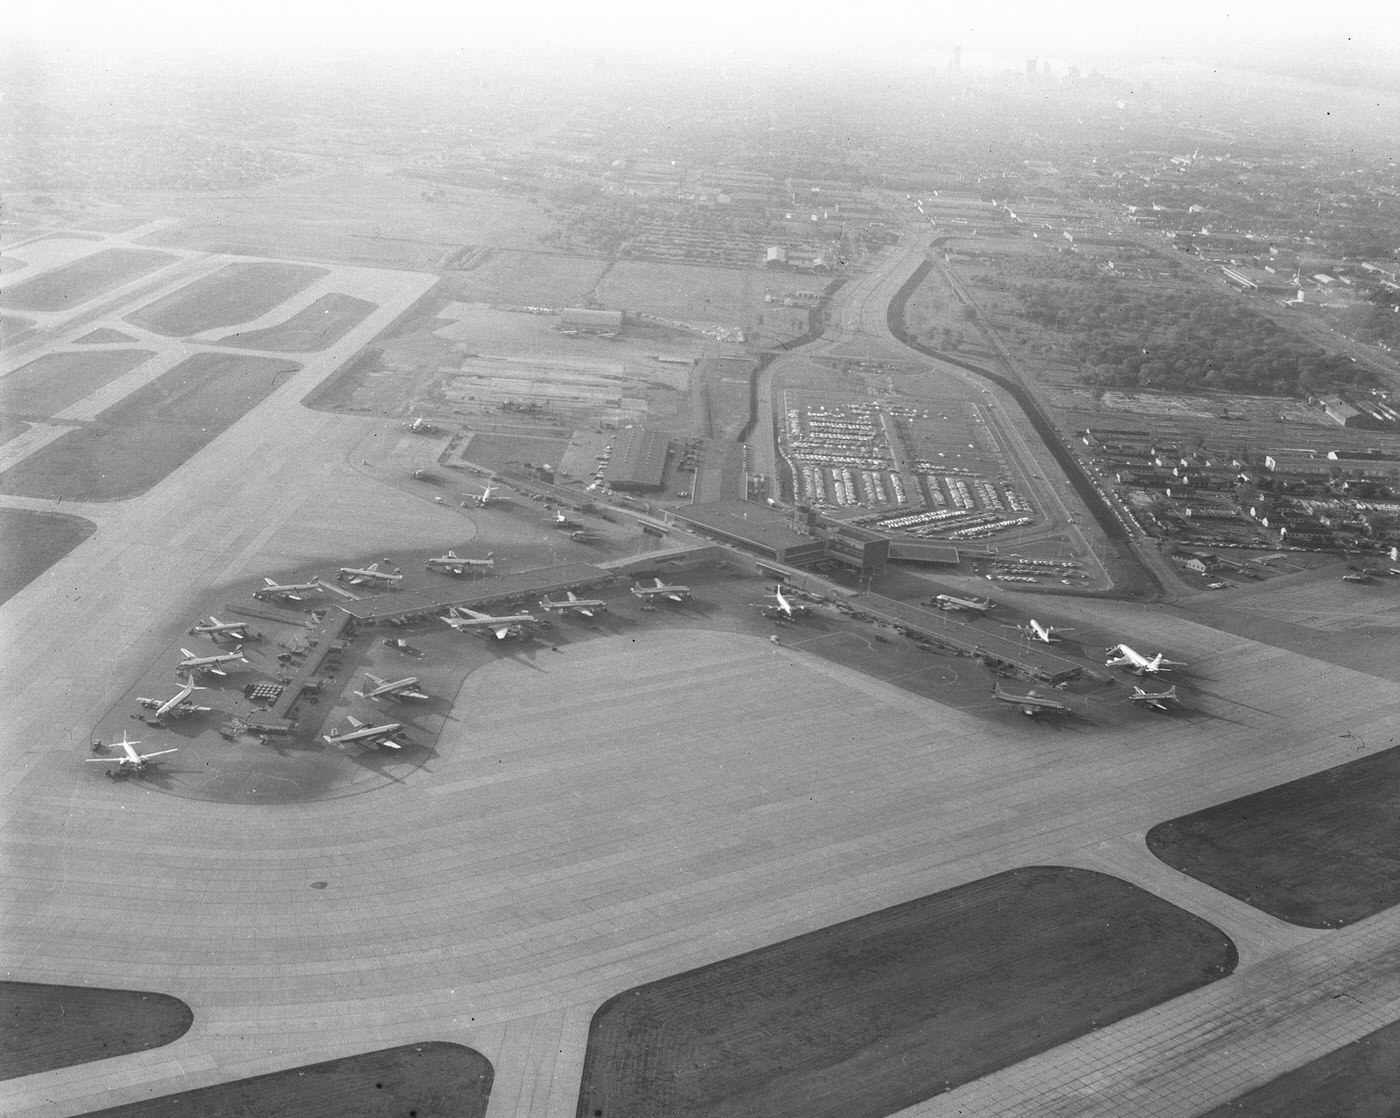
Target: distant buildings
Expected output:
[579,320]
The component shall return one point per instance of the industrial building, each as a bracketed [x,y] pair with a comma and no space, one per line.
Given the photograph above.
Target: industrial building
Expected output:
[637,461]
[755,527]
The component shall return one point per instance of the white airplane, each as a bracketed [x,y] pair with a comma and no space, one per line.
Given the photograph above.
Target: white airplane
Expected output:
[1157,700]
[362,733]
[193,663]
[1031,703]
[421,426]
[1127,658]
[972,605]
[1046,633]
[289,590]
[359,576]
[406,688]
[453,564]
[131,761]
[504,626]
[662,590]
[585,606]
[177,705]
[214,629]
[488,495]
[788,607]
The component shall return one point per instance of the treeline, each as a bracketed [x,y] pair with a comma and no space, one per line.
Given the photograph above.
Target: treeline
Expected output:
[1182,341]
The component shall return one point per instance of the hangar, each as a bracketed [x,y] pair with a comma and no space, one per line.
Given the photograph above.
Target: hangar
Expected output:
[638,460]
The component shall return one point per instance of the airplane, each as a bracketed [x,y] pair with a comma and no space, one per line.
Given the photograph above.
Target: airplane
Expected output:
[562,522]
[1157,700]
[1128,658]
[583,535]
[364,733]
[130,762]
[1046,633]
[1031,703]
[662,590]
[978,605]
[290,590]
[193,663]
[487,496]
[421,426]
[396,689]
[214,629]
[177,705]
[358,576]
[504,626]
[452,564]
[785,607]
[585,606]
[1356,578]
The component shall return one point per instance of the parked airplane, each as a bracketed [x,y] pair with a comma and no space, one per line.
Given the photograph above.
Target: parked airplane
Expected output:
[583,535]
[562,522]
[504,626]
[662,590]
[1157,700]
[585,606]
[1128,658]
[452,564]
[290,590]
[362,733]
[193,663]
[488,495]
[1046,633]
[214,629]
[1031,703]
[972,605]
[1356,578]
[359,576]
[406,688]
[421,426]
[177,705]
[786,606]
[130,763]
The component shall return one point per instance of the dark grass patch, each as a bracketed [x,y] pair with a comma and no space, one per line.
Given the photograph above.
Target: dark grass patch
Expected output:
[235,293]
[323,323]
[55,381]
[11,428]
[873,1015]
[494,451]
[43,1027]
[32,542]
[12,326]
[82,279]
[135,443]
[1321,852]
[1358,1080]
[430,1080]
[104,335]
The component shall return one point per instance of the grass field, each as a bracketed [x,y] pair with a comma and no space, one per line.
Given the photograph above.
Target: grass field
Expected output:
[323,323]
[12,326]
[533,279]
[486,449]
[725,295]
[1358,1080]
[32,542]
[135,443]
[1319,852]
[434,1079]
[235,293]
[44,1027]
[82,279]
[55,381]
[870,1016]
[103,335]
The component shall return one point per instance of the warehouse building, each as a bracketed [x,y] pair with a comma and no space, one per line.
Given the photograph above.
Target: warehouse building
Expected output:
[638,460]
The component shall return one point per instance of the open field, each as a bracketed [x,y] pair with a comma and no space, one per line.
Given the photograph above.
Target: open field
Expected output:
[140,440]
[48,384]
[32,542]
[45,1027]
[1319,851]
[728,296]
[235,293]
[11,326]
[85,278]
[868,1017]
[315,327]
[103,335]
[428,1080]
[1358,1080]
[534,279]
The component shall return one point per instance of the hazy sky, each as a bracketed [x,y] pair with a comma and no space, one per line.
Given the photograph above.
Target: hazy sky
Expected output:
[876,30]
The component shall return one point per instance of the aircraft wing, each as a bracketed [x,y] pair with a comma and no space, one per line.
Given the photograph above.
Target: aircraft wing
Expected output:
[159,753]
